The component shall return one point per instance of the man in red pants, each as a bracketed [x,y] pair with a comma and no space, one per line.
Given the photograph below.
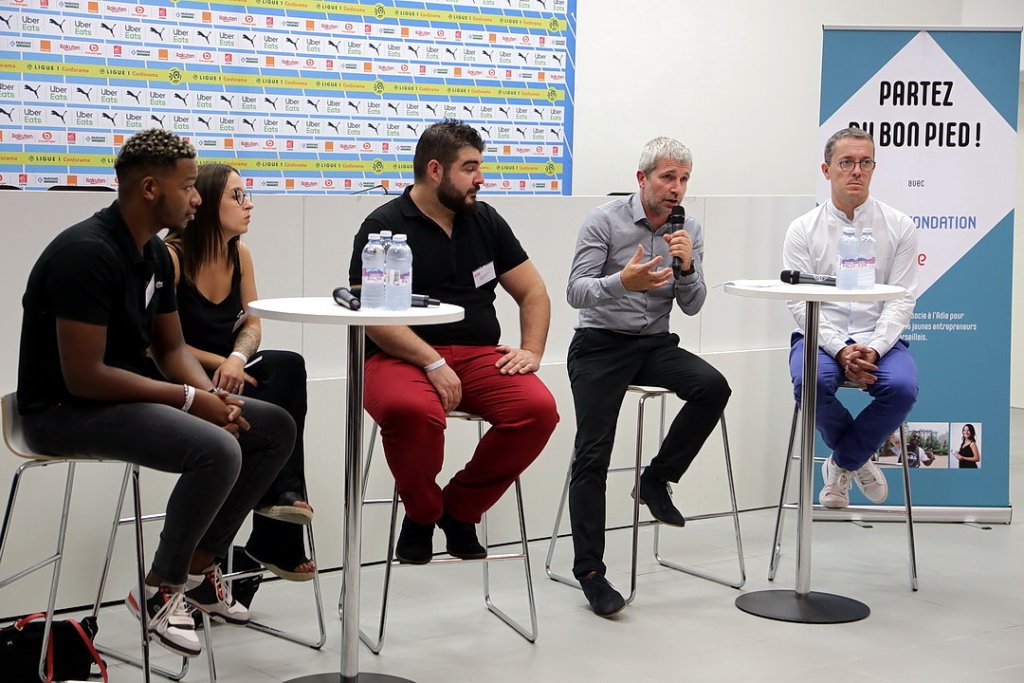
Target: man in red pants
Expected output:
[462,249]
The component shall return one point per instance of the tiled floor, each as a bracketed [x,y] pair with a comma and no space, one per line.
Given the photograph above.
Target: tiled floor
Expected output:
[965,625]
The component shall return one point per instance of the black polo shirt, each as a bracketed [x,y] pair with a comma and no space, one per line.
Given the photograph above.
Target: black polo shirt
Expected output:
[443,267]
[92,273]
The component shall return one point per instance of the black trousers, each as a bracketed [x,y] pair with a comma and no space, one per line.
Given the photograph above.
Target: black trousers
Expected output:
[602,364]
[281,377]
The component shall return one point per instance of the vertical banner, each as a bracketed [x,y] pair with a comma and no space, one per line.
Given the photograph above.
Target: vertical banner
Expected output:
[942,108]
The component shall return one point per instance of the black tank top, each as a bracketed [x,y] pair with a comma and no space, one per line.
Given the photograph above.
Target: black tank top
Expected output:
[206,325]
[966,452]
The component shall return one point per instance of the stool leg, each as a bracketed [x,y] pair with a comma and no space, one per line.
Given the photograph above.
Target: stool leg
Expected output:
[908,505]
[9,516]
[317,599]
[140,565]
[131,475]
[529,634]
[773,565]
[733,512]
[375,646]
[637,467]
[554,533]
[58,558]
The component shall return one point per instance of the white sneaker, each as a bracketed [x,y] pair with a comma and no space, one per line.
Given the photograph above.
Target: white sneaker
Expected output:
[170,619]
[212,595]
[871,481]
[835,493]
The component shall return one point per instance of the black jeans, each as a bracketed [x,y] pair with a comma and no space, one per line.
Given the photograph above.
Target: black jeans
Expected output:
[602,364]
[221,477]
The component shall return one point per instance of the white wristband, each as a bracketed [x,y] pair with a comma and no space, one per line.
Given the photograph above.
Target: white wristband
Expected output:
[440,362]
[190,395]
[238,354]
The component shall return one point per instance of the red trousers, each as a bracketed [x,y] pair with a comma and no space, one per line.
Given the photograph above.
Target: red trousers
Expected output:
[400,399]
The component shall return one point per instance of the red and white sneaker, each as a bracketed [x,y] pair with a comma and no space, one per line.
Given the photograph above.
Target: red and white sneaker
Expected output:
[170,619]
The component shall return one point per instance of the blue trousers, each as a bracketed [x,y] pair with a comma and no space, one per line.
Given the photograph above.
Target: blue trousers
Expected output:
[851,439]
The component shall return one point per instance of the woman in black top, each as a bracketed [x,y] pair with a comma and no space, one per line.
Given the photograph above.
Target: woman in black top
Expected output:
[969,454]
[215,283]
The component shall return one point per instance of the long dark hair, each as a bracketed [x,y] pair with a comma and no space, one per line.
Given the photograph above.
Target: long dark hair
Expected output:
[202,240]
[970,429]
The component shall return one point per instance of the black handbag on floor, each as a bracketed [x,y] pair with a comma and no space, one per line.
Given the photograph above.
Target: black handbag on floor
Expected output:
[70,653]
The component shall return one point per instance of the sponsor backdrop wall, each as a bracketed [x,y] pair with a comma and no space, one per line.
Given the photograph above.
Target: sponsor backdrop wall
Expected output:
[321,97]
[942,107]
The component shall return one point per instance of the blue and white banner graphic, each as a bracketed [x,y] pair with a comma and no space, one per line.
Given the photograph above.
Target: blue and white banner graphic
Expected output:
[942,107]
[309,96]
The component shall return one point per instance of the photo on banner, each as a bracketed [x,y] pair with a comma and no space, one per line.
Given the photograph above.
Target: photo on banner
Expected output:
[941,105]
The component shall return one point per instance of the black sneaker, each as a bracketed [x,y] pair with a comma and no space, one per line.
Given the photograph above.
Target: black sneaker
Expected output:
[170,619]
[415,543]
[604,600]
[461,537]
[213,596]
[656,494]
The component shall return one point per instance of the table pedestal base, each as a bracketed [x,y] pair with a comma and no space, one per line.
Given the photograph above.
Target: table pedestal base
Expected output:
[359,678]
[812,608]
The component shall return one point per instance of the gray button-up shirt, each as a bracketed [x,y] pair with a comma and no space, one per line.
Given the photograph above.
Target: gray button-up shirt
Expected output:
[606,242]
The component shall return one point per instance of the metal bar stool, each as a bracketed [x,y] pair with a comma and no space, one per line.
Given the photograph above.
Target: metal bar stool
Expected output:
[530,634]
[905,511]
[644,393]
[137,519]
[15,440]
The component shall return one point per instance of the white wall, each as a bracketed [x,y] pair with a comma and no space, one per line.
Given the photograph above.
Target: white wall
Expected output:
[736,80]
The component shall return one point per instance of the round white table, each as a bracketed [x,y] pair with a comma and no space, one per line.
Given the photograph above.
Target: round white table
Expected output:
[803,605]
[324,310]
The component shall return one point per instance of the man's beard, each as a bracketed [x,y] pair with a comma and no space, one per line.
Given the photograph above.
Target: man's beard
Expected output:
[453,200]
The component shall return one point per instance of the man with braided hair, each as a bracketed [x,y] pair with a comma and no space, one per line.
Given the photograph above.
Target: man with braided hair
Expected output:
[98,300]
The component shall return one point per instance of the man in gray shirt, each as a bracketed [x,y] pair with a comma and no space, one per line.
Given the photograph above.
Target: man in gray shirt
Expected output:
[624,288]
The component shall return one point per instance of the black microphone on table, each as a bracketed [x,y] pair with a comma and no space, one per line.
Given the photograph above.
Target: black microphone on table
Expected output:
[344,297]
[677,218]
[795,277]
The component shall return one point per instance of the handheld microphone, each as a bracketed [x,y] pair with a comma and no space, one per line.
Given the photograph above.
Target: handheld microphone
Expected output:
[677,218]
[422,301]
[795,277]
[345,298]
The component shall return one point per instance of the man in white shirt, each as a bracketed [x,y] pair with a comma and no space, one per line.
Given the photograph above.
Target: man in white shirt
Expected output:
[858,341]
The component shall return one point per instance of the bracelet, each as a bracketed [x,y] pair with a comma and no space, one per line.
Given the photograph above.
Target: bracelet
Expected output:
[440,362]
[190,395]
[238,354]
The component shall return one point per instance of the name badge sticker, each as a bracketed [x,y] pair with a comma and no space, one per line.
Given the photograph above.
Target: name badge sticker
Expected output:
[484,274]
[150,290]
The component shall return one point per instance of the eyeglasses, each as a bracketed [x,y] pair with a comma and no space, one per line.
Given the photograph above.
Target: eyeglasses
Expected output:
[866,165]
[241,196]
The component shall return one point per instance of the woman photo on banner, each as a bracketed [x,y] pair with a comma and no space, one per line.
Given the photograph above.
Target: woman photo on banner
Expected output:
[215,283]
[968,456]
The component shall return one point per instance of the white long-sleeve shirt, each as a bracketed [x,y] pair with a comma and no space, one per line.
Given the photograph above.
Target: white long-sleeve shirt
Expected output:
[811,246]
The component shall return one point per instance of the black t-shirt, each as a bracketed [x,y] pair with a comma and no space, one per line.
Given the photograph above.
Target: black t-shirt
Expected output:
[443,267]
[91,273]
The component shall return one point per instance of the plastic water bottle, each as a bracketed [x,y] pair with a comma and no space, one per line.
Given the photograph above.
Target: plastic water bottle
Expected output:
[866,276]
[398,260]
[849,251]
[385,240]
[372,294]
